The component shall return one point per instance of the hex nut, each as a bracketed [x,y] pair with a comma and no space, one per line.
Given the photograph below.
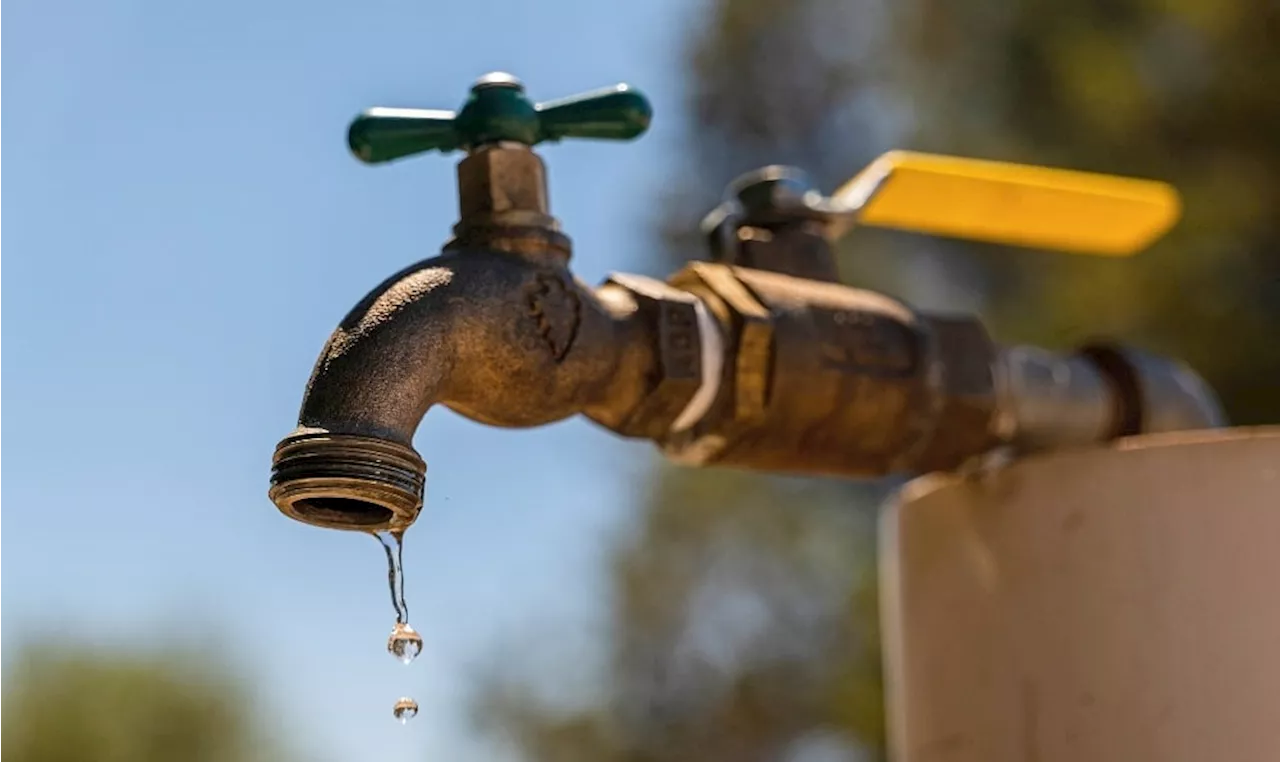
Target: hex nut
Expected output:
[751,346]
[679,351]
[498,179]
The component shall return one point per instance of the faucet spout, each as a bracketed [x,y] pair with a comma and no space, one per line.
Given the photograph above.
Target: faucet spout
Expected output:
[503,339]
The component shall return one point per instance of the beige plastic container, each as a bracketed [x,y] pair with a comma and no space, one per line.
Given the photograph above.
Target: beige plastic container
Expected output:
[1109,604]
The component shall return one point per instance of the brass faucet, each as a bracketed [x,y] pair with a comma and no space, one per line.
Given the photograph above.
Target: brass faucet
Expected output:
[758,359]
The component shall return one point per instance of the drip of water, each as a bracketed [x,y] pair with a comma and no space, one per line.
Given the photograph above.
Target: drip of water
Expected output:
[405,643]
[393,543]
[405,709]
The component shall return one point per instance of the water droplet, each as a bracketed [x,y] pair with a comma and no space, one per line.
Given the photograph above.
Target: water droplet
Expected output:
[405,709]
[405,643]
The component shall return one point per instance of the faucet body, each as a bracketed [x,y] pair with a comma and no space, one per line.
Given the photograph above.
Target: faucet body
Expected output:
[759,360]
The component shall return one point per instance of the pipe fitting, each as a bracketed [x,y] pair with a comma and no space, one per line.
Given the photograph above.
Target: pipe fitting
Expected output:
[687,353]
[823,379]
[1049,399]
[1155,394]
[1102,392]
[502,204]
[343,481]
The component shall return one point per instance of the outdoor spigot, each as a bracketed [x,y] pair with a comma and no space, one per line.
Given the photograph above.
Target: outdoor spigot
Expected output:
[758,361]
[495,328]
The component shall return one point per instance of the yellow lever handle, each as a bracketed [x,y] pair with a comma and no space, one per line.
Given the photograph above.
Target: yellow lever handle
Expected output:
[1021,205]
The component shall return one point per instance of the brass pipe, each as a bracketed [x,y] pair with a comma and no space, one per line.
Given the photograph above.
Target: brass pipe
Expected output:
[722,366]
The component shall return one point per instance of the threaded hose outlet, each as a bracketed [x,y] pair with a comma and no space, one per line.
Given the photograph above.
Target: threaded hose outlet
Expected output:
[343,481]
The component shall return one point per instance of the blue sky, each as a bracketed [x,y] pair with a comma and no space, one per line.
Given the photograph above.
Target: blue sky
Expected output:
[183,228]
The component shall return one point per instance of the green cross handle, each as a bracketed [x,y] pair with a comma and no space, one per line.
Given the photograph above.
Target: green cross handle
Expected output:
[498,111]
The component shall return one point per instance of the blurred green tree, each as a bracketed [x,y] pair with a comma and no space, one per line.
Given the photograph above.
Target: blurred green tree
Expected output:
[1180,91]
[70,703]
[743,622]
[743,627]
[1152,88]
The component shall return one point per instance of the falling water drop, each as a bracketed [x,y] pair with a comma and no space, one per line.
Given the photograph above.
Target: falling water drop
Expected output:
[405,643]
[405,709]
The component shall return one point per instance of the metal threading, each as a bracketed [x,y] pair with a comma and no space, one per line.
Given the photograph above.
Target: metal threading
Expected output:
[343,481]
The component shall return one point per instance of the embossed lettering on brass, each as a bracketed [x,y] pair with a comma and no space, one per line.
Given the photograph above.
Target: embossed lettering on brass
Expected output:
[678,333]
[865,344]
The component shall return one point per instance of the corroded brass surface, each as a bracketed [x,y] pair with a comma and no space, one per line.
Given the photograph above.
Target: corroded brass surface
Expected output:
[671,314]
[502,201]
[496,328]
[499,338]
[826,379]
[498,179]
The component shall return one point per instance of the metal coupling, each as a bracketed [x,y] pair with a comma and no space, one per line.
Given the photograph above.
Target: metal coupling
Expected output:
[1051,400]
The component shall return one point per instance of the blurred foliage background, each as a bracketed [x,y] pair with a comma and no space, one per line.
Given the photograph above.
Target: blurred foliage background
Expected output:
[743,612]
[68,700]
